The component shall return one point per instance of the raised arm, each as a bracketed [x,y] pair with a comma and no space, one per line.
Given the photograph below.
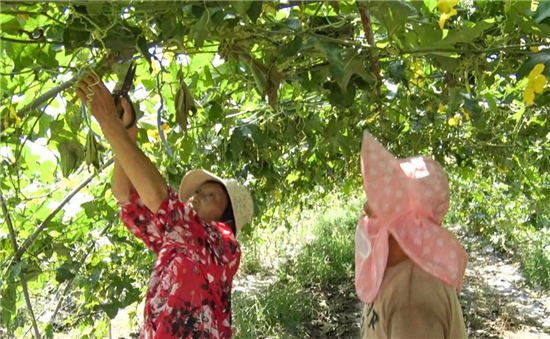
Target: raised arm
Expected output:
[121,184]
[140,171]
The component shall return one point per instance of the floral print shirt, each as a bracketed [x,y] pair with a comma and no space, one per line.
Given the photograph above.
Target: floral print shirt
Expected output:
[189,292]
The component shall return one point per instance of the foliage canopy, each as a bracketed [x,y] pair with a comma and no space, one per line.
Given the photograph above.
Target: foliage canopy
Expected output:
[276,94]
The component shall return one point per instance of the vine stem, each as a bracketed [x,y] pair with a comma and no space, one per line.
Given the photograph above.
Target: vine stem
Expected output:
[40,41]
[56,90]
[45,97]
[21,273]
[367,27]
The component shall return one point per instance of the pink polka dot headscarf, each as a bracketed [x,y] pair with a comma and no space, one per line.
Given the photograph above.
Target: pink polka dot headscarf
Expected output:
[409,198]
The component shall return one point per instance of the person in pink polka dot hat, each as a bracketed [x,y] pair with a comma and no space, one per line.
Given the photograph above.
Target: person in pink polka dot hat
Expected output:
[407,267]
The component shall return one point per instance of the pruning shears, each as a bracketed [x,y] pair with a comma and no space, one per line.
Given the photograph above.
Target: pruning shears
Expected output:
[123,92]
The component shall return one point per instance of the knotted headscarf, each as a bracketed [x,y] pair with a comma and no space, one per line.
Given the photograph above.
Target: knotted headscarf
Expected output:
[410,198]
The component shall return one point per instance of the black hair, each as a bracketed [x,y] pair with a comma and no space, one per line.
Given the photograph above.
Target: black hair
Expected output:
[228,217]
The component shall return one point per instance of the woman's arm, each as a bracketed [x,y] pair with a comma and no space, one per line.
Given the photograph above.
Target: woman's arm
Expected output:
[140,171]
[121,184]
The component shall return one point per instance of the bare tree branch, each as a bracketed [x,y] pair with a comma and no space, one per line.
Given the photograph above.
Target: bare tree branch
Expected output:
[30,240]
[45,97]
[367,26]
[39,41]
[21,273]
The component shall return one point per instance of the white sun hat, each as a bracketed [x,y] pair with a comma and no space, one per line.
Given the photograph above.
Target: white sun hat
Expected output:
[241,200]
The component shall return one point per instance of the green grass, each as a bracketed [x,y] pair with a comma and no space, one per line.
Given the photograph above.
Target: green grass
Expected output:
[305,264]
[317,251]
[536,260]
[506,222]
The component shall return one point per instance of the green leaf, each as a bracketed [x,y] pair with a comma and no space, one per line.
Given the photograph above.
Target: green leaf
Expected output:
[95,277]
[543,12]
[215,112]
[292,48]
[255,10]
[397,72]
[111,309]
[15,269]
[8,302]
[354,65]
[75,35]
[62,250]
[32,272]
[254,133]
[209,81]
[72,155]
[49,331]
[22,55]
[492,103]
[427,35]
[64,272]
[472,107]
[259,76]
[44,124]
[73,117]
[519,114]
[201,30]
[332,53]
[468,34]
[241,7]
[144,49]
[392,14]
[430,4]
[542,57]
[10,25]
[237,142]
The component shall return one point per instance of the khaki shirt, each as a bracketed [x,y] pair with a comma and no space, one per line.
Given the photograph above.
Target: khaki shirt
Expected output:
[413,304]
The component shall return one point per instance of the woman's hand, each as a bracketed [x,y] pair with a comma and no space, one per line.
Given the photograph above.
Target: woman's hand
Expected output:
[367,211]
[92,91]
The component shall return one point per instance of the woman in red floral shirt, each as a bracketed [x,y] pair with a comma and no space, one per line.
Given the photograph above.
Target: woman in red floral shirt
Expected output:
[192,232]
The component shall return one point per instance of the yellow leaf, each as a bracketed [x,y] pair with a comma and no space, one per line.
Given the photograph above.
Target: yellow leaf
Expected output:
[108,194]
[534,49]
[529,96]
[429,109]
[453,121]
[534,5]
[539,84]
[6,125]
[278,195]
[441,108]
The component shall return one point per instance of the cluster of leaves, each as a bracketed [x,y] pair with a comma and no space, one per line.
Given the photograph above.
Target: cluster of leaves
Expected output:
[276,94]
